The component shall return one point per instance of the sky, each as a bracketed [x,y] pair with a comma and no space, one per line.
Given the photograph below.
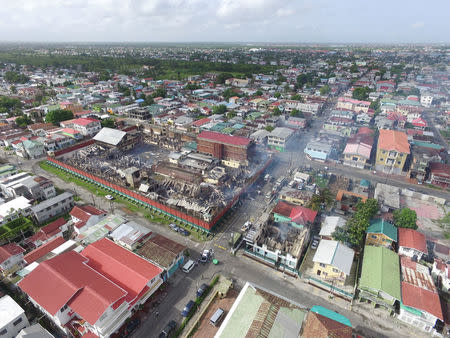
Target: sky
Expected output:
[293,21]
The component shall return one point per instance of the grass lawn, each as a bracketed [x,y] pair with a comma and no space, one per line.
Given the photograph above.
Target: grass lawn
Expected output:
[153,217]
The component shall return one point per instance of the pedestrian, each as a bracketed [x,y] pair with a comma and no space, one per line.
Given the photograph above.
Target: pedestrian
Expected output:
[157,313]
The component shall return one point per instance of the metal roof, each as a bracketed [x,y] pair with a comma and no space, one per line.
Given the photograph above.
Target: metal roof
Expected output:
[110,136]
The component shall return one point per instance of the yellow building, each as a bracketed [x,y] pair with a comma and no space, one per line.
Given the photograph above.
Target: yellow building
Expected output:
[381,233]
[332,261]
[392,151]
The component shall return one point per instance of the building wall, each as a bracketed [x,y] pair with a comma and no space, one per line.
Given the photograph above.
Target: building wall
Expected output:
[356,161]
[378,240]
[425,322]
[222,151]
[12,264]
[410,252]
[13,328]
[390,161]
[54,210]
[328,273]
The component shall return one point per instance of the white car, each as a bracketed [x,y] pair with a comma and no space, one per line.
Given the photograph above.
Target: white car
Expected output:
[109,197]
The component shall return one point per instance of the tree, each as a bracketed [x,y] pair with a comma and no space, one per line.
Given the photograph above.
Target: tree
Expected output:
[23,121]
[220,109]
[227,93]
[148,100]
[109,122]
[269,128]
[276,111]
[192,86]
[361,93]
[220,79]
[13,89]
[258,93]
[58,115]
[405,218]
[159,92]
[354,68]
[15,77]
[325,90]
[297,97]
[297,113]
[277,95]
[324,197]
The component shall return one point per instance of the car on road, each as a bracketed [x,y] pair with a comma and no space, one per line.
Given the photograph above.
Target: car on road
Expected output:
[174,227]
[109,197]
[206,255]
[188,308]
[131,327]
[246,226]
[315,244]
[168,329]
[184,232]
[201,290]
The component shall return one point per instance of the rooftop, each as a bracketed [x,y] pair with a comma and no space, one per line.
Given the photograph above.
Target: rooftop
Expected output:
[393,140]
[110,136]
[223,138]
[336,254]
[410,238]
[9,310]
[379,225]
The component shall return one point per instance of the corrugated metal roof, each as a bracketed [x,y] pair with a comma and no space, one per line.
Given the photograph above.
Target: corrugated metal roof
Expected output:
[110,136]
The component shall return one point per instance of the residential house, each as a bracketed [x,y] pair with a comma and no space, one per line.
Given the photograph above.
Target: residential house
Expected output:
[32,187]
[357,106]
[85,216]
[392,151]
[364,118]
[294,215]
[29,149]
[426,100]
[114,138]
[87,126]
[339,125]
[11,258]
[41,253]
[72,133]
[329,225]
[380,277]
[384,122]
[441,274]
[130,235]
[381,233]
[45,234]
[7,170]
[165,253]
[358,150]
[319,151]
[420,305]
[411,243]
[439,174]
[34,331]
[14,209]
[296,122]
[279,138]
[12,319]
[385,86]
[310,108]
[52,207]
[96,290]
[333,261]
[324,323]
[295,196]
[421,159]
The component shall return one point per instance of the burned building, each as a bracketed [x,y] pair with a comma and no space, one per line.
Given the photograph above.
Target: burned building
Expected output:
[232,150]
[114,138]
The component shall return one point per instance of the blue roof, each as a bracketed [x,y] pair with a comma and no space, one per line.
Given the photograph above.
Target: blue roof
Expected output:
[364,183]
[331,314]
[139,101]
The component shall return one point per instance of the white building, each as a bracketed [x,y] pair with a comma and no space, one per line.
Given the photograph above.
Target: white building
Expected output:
[12,318]
[279,138]
[52,207]
[426,100]
[14,209]
[34,331]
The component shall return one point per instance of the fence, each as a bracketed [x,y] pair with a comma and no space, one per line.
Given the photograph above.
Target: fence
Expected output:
[333,289]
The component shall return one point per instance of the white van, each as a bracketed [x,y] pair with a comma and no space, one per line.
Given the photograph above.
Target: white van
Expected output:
[188,266]
[215,318]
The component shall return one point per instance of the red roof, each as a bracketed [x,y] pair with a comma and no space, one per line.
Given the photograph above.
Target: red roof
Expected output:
[67,279]
[201,122]
[84,121]
[421,299]
[123,267]
[393,140]
[54,226]
[419,122]
[9,250]
[84,212]
[223,138]
[437,168]
[43,250]
[296,213]
[365,130]
[410,238]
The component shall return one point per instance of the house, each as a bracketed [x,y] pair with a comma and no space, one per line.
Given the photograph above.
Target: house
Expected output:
[420,305]
[165,253]
[440,174]
[392,151]
[358,150]
[411,243]
[333,261]
[329,225]
[14,209]
[422,157]
[130,235]
[48,232]
[114,138]
[52,207]
[358,106]
[30,149]
[380,277]
[41,252]
[34,331]
[71,133]
[279,138]
[87,126]
[440,273]
[32,187]
[324,323]
[96,290]
[12,318]
[294,215]
[381,233]
[84,216]
[254,303]
[385,86]
[317,150]
[11,258]
[296,122]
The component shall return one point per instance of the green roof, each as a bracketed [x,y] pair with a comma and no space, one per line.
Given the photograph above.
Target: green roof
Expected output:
[427,144]
[380,271]
[379,225]
[331,314]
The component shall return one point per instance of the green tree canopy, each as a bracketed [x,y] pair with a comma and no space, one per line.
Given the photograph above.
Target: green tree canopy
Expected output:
[276,111]
[23,121]
[297,113]
[159,92]
[361,93]
[227,93]
[109,122]
[58,115]
[269,128]
[15,77]
[297,97]
[258,93]
[323,198]
[222,77]
[324,90]
[192,86]
[148,100]
[277,95]
[220,109]
[405,218]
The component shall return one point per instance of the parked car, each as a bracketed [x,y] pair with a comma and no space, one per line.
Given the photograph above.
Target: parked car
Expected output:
[184,232]
[109,197]
[188,308]
[201,290]
[206,255]
[131,327]
[174,227]
[315,244]
[246,226]
[168,329]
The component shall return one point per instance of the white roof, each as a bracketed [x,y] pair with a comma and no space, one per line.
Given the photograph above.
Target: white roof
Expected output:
[281,132]
[63,247]
[9,310]
[110,136]
[15,204]
[330,223]
[34,331]
[336,254]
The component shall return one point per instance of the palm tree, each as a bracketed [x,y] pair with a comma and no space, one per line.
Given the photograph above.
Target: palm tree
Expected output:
[324,197]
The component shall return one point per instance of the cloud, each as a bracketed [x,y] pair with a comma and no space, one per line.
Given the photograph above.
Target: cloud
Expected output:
[281,12]
[418,24]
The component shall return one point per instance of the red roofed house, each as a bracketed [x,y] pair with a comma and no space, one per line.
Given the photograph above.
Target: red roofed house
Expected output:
[43,250]
[49,232]
[11,258]
[440,174]
[318,326]
[95,290]
[87,126]
[441,273]
[420,305]
[411,243]
[296,215]
[392,151]
[85,216]
[232,150]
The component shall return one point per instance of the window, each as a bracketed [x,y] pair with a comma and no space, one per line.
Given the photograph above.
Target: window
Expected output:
[381,159]
[335,270]
[318,272]
[373,236]
[322,265]
[3,332]
[64,308]
[398,162]
[17,321]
